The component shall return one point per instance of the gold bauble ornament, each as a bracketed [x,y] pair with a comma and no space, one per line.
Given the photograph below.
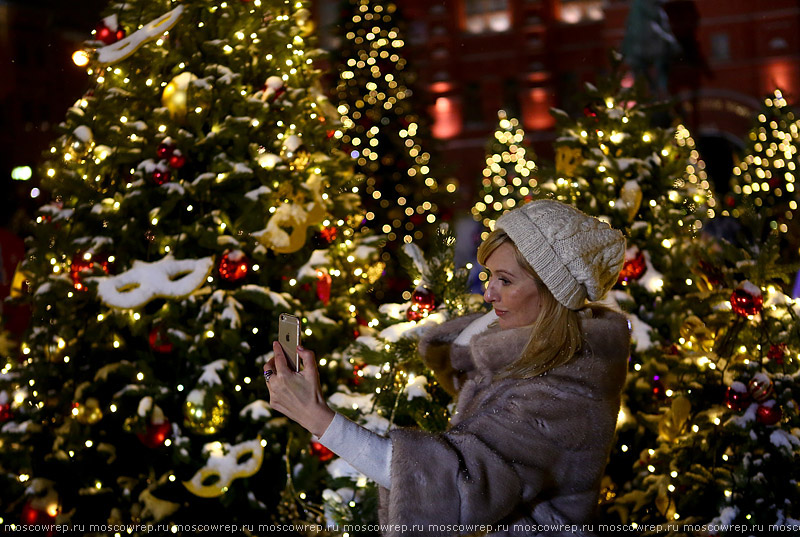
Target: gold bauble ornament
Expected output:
[176,95]
[89,412]
[631,195]
[205,414]
[567,160]
[694,330]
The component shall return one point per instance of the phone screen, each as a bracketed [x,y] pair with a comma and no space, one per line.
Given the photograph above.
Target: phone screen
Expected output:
[289,338]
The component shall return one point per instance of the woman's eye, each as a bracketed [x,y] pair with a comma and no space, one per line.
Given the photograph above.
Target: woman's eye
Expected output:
[504,281]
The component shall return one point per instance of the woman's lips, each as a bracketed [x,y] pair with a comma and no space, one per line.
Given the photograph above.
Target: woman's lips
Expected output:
[499,313]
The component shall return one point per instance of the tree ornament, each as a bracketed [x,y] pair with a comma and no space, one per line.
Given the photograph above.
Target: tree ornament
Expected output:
[155,434]
[225,463]
[87,413]
[358,374]
[296,153]
[159,339]
[567,160]
[234,265]
[273,88]
[83,264]
[304,21]
[161,177]
[694,331]
[321,452]
[631,196]
[165,149]
[769,413]
[589,111]
[123,48]
[708,276]
[205,414]
[298,217]
[634,266]
[177,94]
[423,302]
[737,398]
[33,515]
[777,353]
[760,387]
[324,282]
[326,236]
[177,160]
[108,30]
[167,278]
[5,412]
[746,299]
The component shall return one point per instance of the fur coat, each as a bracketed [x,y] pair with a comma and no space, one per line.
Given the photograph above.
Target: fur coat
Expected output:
[519,453]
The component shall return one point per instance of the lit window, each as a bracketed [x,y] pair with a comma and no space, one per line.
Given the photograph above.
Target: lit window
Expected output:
[486,16]
[575,11]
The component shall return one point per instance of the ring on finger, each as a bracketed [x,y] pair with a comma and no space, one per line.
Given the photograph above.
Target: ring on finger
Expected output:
[267,374]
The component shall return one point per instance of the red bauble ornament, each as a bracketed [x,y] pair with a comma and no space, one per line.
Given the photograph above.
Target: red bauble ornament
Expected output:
[5,412]
[329,233]
[155,435]
[747,300]
[108,35]
[176,160]
[736,399]
[32,516]
[159,340]
[760,387]
[161,177]
[633,268]
[357,368]
[588,111]
[422,302]
[777,353]
[81,265]
[165,150]
[769,413]
[324,282]
[234,265]
[321,452]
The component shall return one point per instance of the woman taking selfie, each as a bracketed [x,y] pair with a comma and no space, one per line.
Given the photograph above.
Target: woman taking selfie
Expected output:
[537,381]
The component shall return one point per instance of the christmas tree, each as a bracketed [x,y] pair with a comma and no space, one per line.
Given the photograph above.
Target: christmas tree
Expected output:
[383,129]
[197,193]
[725,414]
[509,177]
[764,181]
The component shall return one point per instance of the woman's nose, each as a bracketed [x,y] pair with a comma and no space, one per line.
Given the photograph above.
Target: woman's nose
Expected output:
[489,294]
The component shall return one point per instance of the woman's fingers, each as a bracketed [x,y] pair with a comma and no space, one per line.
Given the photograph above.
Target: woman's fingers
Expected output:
[280,362]
[309,360]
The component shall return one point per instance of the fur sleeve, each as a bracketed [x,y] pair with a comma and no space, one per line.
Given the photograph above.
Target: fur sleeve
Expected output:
[435,347]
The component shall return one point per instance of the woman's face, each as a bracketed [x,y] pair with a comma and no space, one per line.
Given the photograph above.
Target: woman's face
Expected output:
[511,289]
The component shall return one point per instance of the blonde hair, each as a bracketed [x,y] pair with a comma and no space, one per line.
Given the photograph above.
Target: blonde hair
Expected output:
[555,334]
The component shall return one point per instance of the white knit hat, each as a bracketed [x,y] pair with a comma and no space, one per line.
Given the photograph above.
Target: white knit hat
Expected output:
[576,256]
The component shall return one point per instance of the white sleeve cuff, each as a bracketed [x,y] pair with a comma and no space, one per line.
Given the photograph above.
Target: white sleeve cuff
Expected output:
[367,452]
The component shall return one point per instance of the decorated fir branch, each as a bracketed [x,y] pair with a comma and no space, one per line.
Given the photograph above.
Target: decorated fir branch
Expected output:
[196,193]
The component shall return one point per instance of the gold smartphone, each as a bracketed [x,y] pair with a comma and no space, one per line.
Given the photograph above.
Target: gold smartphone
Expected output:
[289,338]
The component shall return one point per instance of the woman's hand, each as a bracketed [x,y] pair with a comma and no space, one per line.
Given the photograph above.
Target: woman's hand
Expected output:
[297,394]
